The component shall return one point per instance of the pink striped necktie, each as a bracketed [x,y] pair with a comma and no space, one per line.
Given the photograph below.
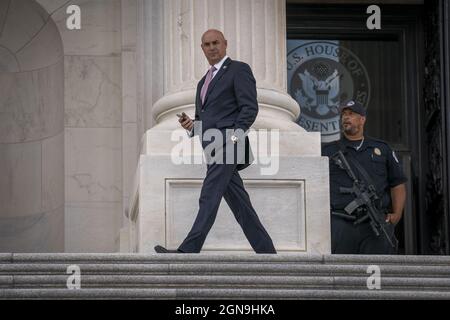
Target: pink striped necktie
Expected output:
[208,79]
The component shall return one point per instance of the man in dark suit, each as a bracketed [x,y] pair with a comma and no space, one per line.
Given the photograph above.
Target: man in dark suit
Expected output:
[225,102]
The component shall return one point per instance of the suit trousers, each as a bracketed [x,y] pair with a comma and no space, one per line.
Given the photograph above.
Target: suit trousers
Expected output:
[223,180]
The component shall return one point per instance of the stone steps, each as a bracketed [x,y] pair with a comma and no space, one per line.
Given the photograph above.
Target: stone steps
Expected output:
[210,294]
[222,276]
[173,281]
[226,269]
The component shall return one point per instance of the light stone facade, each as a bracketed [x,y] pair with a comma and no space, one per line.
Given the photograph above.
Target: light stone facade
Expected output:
[86,111]
[31,130]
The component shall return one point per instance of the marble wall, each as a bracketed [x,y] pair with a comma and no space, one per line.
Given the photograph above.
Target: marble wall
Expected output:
[99,119]
[31,130]
[68,127]
[92,123]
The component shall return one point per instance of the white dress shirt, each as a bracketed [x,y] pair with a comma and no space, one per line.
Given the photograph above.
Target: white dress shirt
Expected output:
[218,65]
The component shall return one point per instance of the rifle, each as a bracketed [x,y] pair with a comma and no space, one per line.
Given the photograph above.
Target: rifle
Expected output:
[365,195]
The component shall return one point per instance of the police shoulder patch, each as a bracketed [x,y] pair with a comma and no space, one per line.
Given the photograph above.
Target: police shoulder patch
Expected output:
[395,157]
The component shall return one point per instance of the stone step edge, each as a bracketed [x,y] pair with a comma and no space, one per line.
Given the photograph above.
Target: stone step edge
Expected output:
[242,258]
[125,280]
[7,269]
[217,294]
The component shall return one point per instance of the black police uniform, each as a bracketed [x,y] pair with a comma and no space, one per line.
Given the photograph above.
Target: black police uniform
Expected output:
[384,168]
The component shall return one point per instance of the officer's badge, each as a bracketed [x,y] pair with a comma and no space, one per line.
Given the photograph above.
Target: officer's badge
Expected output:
[377,151]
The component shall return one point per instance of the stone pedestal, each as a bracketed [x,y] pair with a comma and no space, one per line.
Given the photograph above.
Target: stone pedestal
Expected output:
[288,183]
[292,204]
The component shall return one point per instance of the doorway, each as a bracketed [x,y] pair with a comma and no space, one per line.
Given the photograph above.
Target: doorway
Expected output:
[330,46]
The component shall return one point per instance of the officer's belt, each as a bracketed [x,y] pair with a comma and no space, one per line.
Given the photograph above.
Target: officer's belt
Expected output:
[359,217]
[350,217]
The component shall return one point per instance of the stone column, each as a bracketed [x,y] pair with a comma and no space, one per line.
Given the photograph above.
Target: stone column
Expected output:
[256,34]
[293,201]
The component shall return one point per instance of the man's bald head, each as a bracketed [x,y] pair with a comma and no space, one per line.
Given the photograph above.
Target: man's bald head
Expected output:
[215,32]
[214,46]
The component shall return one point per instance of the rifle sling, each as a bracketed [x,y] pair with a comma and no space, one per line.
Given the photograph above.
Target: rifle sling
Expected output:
[366,177]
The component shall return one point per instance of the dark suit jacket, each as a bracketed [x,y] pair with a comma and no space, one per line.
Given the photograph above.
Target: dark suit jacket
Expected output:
[230,103]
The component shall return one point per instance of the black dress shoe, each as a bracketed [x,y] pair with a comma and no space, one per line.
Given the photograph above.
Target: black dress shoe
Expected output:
[161,249]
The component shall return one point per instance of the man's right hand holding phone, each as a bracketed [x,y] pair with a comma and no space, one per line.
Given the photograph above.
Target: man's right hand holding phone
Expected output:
[185,121]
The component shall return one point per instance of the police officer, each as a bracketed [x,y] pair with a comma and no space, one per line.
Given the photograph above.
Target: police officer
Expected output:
[384,170]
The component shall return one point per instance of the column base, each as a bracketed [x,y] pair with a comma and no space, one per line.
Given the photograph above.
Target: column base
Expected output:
[292,202]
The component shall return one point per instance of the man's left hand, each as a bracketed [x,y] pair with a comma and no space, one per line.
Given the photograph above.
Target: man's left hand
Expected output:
[393,218]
